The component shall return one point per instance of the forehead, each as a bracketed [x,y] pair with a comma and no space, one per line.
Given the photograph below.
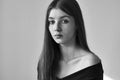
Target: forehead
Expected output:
[58,13]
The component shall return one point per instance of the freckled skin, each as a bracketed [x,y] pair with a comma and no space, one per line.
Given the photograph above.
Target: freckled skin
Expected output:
[63,24]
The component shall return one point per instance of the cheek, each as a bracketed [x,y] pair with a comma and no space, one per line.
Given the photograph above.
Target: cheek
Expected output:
[70,29]
[50,29]
[69,32]
[71,26]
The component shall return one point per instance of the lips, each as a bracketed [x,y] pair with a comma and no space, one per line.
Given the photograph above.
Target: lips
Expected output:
[58,35]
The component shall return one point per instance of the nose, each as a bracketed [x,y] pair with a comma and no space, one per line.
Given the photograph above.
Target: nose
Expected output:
[57,27]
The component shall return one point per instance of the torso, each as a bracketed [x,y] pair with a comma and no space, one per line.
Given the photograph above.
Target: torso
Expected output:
[77,64]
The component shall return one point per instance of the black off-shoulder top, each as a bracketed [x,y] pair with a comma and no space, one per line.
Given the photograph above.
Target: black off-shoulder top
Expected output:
[94,72]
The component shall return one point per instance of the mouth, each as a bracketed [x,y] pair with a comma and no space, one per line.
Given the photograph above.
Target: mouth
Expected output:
[58,36]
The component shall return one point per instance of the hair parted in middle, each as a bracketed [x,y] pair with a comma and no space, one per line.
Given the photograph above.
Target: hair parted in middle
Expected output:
[48,64]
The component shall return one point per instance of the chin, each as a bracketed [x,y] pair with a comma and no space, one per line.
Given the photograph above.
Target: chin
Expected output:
[59,41]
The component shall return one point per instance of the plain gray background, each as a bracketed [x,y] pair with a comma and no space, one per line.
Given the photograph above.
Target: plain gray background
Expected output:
[22,31]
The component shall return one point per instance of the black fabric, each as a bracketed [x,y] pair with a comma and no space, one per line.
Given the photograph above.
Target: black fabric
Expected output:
[94,72]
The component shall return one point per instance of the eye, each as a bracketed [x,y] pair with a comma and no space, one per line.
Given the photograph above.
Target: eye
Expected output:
[65,21]
[51,22]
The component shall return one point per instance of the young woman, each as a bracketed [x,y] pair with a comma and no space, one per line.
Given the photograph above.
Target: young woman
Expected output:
[66,55]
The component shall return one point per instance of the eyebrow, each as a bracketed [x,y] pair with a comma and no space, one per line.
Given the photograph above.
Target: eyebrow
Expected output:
[60,17]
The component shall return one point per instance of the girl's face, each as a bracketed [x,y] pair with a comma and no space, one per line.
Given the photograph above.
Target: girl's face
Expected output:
[61,26]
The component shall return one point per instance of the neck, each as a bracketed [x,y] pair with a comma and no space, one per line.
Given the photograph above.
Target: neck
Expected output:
[68,51]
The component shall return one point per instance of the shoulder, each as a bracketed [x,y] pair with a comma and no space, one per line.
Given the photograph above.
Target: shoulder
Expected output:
[88,59]
[92,58]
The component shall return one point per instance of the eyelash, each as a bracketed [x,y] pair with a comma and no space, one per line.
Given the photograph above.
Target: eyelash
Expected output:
[62,21]
[65,21]
[51,22]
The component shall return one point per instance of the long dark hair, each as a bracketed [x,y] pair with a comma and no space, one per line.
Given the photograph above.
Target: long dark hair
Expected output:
[48,64]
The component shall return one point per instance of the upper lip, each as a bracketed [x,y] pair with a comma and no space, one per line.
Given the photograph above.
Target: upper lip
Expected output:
[57,34]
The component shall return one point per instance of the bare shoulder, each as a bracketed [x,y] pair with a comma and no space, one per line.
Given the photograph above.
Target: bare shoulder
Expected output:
[92,58]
